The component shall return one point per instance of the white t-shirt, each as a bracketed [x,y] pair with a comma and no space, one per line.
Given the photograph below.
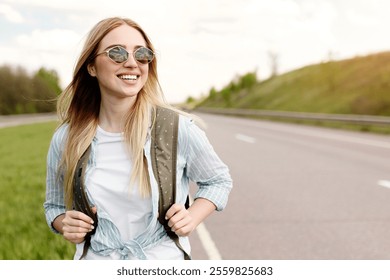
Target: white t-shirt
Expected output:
[109,186]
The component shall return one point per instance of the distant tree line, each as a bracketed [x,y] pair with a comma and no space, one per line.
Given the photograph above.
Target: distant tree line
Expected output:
[229,92]
[22,93]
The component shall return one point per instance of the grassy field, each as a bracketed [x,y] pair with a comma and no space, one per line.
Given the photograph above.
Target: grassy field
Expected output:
[24,234]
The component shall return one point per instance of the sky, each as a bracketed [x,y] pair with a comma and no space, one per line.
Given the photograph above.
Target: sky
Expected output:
[200,43]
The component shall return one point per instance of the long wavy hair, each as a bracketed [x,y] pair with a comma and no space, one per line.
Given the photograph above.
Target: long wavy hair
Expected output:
[79,106]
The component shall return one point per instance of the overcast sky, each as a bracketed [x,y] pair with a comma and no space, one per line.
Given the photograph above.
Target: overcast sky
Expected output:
[201,43]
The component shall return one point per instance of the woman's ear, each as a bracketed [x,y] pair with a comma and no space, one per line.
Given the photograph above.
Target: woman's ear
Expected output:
[91,70]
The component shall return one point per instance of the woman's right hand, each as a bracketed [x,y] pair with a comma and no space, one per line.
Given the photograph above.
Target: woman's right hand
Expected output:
[76,225]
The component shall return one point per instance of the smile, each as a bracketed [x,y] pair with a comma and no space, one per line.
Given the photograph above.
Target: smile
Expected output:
[128,77]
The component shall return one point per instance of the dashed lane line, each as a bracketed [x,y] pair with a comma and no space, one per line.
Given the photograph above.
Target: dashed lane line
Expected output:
[384,183]
[245,138]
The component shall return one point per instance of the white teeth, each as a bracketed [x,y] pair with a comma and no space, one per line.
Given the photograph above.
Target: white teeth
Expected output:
[128,77]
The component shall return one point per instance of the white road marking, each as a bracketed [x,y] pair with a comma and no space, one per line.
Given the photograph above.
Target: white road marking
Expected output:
[329,136]
[206,240]
[208,243]
[384,183]
[245,138]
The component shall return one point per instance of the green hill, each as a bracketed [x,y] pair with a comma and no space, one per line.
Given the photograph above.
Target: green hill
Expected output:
[360,85]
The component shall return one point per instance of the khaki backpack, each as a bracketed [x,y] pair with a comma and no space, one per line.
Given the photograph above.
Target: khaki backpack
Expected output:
[163,153]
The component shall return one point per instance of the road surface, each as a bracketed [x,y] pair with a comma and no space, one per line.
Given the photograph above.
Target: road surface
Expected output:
[15,120]
[300,192]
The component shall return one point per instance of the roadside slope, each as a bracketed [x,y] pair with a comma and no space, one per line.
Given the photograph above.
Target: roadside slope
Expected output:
[359,85]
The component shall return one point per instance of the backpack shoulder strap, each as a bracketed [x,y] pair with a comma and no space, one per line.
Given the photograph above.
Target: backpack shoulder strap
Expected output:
[80,200]
[164,155]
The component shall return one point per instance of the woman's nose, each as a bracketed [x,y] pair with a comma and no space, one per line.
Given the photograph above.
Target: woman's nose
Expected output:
[131,62]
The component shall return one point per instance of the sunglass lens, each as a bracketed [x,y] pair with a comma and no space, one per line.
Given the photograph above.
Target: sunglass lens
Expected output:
[118,54]
[143,55]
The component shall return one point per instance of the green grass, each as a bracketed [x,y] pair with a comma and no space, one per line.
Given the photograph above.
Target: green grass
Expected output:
[24,233]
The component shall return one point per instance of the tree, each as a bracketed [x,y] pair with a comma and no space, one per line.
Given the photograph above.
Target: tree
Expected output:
[51,78]
[22,93]
[248,80]
[273,60]
[212,94]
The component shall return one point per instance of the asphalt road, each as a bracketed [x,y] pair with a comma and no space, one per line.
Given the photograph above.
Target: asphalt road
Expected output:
[15,120]
[300,192]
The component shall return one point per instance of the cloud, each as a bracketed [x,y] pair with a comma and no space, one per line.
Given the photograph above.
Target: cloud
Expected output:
[10,14]
[53,40]
[361,20]
[55,49]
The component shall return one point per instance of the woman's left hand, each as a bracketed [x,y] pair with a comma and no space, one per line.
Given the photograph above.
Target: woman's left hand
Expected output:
[183,221]
[180,220]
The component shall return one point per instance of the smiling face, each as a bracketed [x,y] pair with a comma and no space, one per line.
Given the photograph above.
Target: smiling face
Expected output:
[125,79]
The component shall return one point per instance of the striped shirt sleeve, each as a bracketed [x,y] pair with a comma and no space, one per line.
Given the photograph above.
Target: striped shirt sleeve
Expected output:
[205,168]
[54,204]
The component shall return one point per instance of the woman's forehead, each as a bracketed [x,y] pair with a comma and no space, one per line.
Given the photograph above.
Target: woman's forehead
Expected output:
[124,35]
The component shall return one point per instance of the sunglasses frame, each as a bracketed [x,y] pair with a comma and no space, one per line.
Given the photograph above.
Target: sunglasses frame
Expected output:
[128,54]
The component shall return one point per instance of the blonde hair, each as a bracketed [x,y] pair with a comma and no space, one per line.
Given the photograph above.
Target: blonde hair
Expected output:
[79,105]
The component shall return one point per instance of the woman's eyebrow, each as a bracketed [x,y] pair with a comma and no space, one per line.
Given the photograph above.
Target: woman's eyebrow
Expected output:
[123,46]
[115,45]
[139,46]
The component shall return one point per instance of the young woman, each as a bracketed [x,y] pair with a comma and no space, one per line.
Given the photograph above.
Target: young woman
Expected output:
[109,106]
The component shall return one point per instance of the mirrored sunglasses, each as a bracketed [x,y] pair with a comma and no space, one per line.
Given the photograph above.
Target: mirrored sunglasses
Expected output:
[119,54]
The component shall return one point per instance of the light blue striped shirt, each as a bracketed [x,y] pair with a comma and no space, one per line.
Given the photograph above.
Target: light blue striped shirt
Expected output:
[196,161]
